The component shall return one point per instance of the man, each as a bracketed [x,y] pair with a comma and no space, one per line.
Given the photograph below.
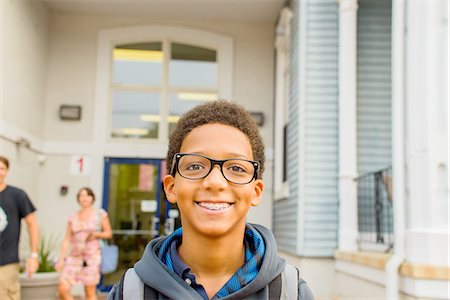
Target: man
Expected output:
[14,205]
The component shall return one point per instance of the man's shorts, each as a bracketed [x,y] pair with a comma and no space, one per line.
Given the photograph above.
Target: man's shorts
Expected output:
[9,282]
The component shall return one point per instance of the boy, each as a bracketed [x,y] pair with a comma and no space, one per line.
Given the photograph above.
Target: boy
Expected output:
[215,162]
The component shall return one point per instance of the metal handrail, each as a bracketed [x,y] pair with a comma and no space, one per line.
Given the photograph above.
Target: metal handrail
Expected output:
[375,220]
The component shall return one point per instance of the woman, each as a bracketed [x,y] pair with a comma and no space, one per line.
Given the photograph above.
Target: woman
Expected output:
[83,233]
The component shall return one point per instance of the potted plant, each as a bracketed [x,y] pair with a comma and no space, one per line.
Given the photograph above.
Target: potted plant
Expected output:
[43,284]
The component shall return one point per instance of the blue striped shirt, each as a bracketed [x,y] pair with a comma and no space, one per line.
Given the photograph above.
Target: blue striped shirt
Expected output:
[254,253]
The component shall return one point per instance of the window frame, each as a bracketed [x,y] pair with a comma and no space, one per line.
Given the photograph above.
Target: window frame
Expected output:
[282,79]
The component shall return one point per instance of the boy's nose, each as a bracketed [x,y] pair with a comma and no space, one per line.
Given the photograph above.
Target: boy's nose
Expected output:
[215,179]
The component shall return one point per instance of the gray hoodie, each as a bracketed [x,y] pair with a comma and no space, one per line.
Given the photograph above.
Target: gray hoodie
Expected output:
[154,273]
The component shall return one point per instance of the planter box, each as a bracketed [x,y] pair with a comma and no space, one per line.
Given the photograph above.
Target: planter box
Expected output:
[41,286]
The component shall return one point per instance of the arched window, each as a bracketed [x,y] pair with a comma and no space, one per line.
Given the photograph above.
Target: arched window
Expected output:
[148,76]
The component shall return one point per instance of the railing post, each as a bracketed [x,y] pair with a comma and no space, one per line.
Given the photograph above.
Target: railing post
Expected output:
[378,206]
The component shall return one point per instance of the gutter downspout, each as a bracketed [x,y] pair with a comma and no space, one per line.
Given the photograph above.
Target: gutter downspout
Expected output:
[398,148]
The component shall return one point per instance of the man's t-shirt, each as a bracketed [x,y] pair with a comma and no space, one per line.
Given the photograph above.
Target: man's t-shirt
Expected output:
[14,205]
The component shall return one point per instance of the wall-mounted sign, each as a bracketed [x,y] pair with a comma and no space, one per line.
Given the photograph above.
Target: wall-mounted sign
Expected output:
[70,112]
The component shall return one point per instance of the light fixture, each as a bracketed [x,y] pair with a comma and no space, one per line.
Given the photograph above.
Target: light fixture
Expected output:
[197,96]
[137,55]
[258,117]
[70,112]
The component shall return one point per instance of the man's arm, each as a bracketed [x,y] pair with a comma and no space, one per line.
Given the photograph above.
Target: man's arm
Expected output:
[33,233]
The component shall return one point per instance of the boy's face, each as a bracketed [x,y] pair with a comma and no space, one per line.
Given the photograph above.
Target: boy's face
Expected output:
[195,198]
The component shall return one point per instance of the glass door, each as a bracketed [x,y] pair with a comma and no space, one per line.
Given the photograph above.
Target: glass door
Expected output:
[134,200]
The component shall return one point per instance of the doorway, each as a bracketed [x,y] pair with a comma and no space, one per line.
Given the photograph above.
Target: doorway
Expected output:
[134,199]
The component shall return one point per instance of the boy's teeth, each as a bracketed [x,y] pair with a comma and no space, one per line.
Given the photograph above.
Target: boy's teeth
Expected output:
[214,206]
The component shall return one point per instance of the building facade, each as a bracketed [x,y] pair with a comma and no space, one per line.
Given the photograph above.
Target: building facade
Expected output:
[353,102]
[364,182]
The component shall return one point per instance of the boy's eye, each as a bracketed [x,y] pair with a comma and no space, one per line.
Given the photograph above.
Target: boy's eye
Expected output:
[193,167]
[237,169]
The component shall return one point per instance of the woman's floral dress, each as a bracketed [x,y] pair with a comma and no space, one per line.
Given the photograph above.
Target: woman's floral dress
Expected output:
[82,265]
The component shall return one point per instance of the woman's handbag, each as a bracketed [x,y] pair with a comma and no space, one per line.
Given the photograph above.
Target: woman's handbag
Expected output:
[110,258]
[110,253]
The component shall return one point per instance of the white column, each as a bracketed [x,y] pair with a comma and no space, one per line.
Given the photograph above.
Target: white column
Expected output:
[348,207]
[427,138]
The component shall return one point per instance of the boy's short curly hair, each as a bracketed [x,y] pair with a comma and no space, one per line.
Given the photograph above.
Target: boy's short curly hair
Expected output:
[223,112]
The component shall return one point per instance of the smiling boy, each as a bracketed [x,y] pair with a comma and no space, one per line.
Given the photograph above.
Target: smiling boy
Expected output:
[215,163]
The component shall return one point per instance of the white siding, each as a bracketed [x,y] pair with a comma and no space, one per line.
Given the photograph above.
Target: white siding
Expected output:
[374,85]
[316,206]
[321,130]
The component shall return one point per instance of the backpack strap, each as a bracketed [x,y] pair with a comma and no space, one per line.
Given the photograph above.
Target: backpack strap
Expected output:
[149,293]
[275,288]
[289,282]
[131,286]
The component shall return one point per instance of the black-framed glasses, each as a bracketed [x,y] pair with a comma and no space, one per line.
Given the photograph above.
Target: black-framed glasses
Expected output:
[195,166]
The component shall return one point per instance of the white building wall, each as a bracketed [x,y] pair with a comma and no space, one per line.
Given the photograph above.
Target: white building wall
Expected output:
[23,65]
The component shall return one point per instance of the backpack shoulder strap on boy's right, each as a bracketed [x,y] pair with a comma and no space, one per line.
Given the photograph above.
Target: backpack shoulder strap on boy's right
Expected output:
[287,285]
[131,287]
[290,281]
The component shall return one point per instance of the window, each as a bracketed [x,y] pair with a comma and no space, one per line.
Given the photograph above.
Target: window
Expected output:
[192,79]
[150,75]
[143,78]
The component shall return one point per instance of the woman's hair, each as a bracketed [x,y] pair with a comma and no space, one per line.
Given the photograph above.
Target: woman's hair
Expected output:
[222,112]
[5,161]
[89,191]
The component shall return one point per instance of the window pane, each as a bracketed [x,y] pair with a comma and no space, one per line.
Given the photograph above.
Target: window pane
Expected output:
[193,67]
[179,103]
[139,64]
[135,114]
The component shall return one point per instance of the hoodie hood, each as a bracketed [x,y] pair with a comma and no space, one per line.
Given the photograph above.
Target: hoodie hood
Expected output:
[154,273]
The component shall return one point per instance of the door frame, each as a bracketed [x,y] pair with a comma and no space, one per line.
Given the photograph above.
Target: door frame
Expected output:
[106,184]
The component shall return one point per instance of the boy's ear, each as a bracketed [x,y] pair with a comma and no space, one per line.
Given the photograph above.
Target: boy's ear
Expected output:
[259,187]
[169,183]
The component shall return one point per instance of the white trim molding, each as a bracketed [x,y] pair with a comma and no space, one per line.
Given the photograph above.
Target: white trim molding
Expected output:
[282,46]
[415,280]
[302,61]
